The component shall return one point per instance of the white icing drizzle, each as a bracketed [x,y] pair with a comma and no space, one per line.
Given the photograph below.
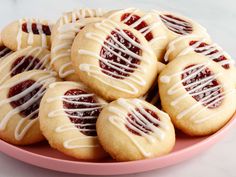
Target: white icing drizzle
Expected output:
[197,106]
[119,120]
[31,35]
[5,50]
[20,131]
[71,143]
[79,14]
[35,52]
[95,71]
[62,51]
[148,29]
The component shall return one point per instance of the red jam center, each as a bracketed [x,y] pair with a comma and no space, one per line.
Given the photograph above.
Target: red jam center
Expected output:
[136,123]
[208,90]
[4,51]
[176,24]
[23,64]
[35,29]
[130,19]
[84,120]
[114,47]
[34,95]
[203,47]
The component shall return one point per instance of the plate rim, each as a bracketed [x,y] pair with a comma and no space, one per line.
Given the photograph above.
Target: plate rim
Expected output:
[113,168]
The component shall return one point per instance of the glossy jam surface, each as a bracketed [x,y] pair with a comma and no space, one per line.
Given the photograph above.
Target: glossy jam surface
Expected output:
[137,123]
[113,51]
[4,51]
[208,87]
[85,116]
[209,51]
[130,19]
[25,64]
[176,24]
[35,28]
[30,110]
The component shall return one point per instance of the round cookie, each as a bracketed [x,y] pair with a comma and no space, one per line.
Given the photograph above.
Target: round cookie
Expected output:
[4,51]
[19,103]
[61,48]
[68,114]
[148,23]
[74,16]
[27,32]
[132,129]
[114,60]
[178,25]
[191,44]
[30,58]
[197,94]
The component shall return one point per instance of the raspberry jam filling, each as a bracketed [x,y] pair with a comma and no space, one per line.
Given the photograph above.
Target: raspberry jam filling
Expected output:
[25,64]
[203,47]
[176,24]
[4,51]
[206,87]
[34,96]
[35,28]
[131,19]
[119,64]
[134,122]
[84,119]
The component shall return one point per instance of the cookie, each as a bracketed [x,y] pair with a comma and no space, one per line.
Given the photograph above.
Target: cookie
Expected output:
[148,23]
[74,16]
[4,51]
[114,60]
[30,58]
[177,25]
[19,104]
[197,94]
[132,129]
[27,32]
[68,114]
[61,48]
[193,44]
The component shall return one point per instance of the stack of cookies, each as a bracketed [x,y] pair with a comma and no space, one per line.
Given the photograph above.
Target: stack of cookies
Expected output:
[117,83]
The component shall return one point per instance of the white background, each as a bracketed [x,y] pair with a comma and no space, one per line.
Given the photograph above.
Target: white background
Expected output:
[219,17]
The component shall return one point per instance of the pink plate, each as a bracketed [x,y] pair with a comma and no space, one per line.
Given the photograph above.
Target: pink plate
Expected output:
[43,156]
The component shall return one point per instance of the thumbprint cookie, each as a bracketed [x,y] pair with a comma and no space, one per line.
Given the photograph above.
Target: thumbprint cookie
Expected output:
[148,23]
[68,115]
[4,51]
[133,129]
[192,44]
[74,16]
[177,25]
[27,32]
[61,48]
[30,58]
[114,60]
[19,104]
[197,94]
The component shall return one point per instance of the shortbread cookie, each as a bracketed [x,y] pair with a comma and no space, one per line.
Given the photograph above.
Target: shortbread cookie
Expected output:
[4,51]
[61,48]
[197,94]
[192,44]
[132,129]
[74,16]
[148,23]
[30,58]
[27,32]
[114,60]
[68,115]
[19,104]
[178,25]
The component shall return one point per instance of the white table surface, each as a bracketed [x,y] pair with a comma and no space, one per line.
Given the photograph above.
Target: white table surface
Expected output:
[219,17]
